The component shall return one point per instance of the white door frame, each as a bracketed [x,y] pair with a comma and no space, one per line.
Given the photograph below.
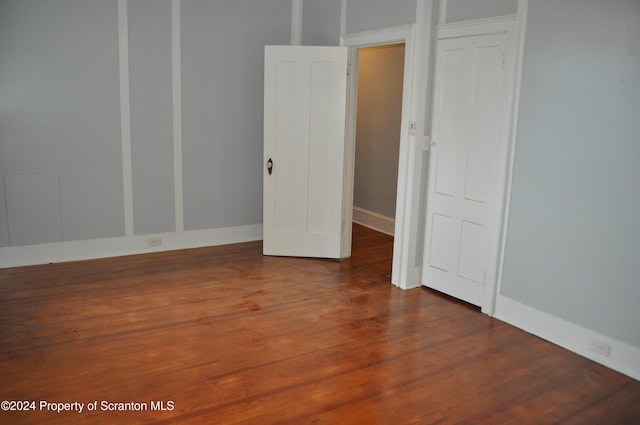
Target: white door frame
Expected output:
[395,35]
[515,47]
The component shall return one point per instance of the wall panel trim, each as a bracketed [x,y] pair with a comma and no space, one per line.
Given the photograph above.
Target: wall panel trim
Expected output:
[176,75]
[125,114]
[296,22]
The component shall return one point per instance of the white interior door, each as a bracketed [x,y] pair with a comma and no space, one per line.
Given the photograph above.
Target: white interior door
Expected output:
[305,92]
[469,133]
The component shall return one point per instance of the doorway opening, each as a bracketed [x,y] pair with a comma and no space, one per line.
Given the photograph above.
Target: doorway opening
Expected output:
[403,272]
[380,79]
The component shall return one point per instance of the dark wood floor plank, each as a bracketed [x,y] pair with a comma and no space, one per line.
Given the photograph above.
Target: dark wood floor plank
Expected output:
[232,337]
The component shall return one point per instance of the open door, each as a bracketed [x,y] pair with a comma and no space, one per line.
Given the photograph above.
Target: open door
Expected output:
[305,91]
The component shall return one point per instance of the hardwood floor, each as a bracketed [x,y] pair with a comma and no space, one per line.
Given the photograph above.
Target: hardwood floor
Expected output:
[224,335]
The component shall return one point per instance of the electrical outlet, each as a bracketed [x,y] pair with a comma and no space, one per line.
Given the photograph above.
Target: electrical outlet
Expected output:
[600,347]
[154,242]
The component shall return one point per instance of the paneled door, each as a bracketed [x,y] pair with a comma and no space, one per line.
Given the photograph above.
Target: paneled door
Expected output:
[305,91]
[468,160]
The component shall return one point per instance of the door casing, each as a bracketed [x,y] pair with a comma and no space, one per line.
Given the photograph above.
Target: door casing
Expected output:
[406,35]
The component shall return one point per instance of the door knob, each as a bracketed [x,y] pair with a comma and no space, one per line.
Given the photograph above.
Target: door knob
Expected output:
[270,166]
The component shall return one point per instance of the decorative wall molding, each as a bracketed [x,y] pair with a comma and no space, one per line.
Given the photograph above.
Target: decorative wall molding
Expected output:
[176,82]
[296,22]
[125,114]
[442,11]
[343,21]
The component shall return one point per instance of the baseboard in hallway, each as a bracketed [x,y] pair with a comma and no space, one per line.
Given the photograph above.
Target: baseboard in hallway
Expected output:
[374,220]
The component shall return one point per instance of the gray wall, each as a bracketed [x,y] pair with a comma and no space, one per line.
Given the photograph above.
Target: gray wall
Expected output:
[60,150]
[222,87]
[463,10]
[321,22]
[574,241]
[366,15]
[380,78]
[61,162]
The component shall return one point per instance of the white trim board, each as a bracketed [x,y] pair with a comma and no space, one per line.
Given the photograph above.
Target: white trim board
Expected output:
[125,114]
[623,357]
[496,25]
[380,37]
[16,256]
[521,30]
[373,220]
[442,12]
[343,20]
[413,203]
[296,22]
[176,89]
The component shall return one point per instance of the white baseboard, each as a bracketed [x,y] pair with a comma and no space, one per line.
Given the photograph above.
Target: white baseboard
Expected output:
[374,221]
[623,357]
[58,252]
